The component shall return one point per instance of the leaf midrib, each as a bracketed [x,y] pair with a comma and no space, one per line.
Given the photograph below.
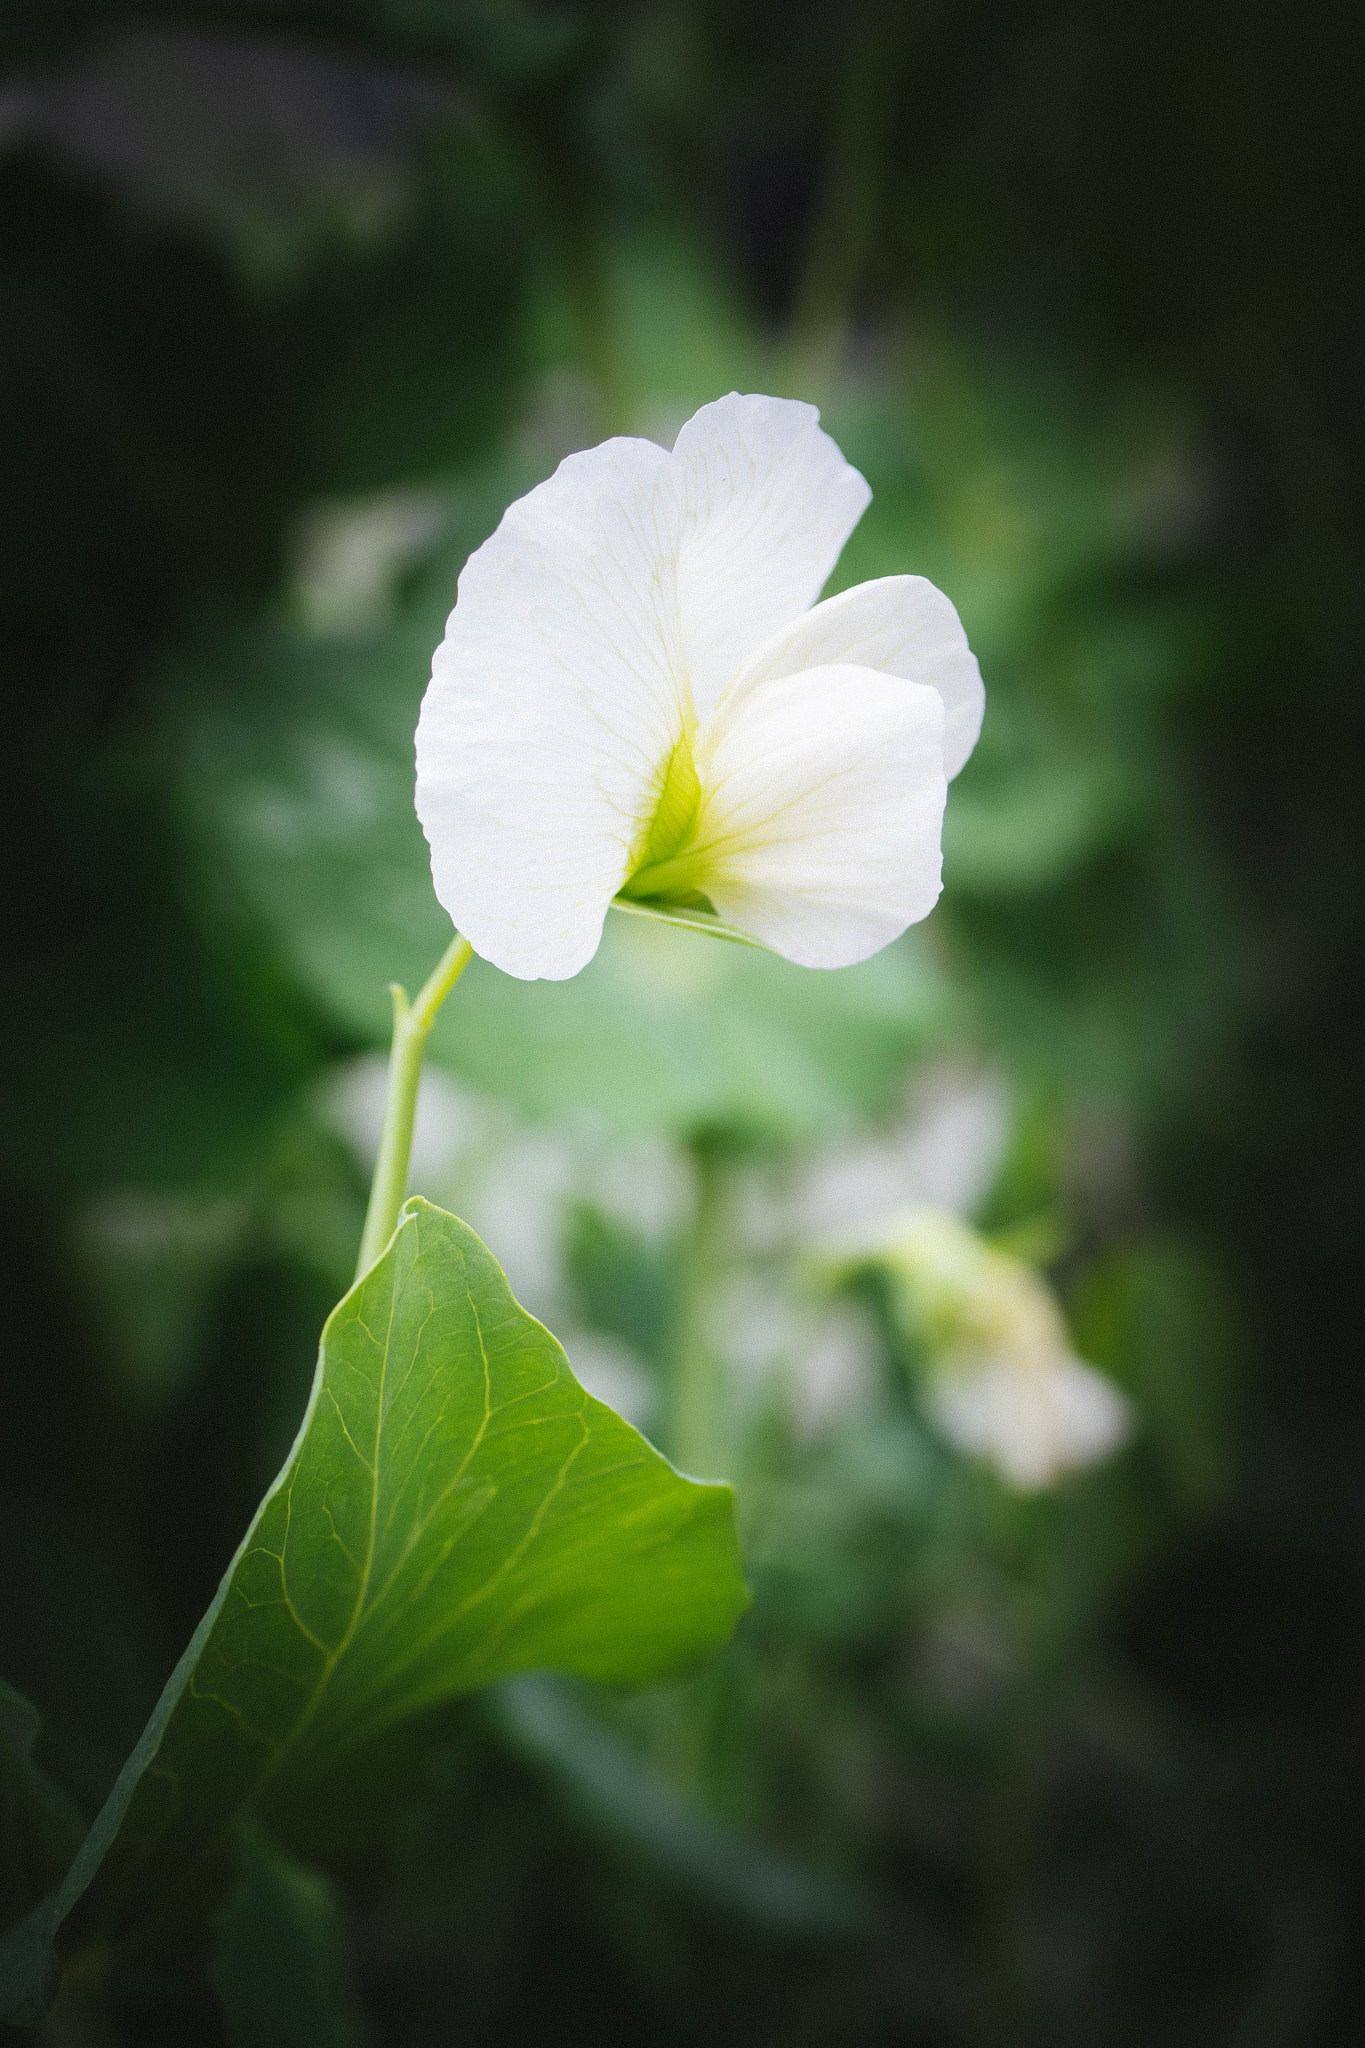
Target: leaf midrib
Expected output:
[359,1612]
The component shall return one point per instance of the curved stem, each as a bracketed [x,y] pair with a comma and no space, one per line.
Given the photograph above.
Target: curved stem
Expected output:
[411,1024]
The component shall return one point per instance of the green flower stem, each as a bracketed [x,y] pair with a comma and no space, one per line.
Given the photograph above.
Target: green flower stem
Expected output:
[696,1370]
[411,1024]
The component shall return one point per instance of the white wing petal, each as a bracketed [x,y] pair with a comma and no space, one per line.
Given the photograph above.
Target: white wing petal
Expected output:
[822,809]
[901,624]
[769,502]
[1034,1420]
[555,697]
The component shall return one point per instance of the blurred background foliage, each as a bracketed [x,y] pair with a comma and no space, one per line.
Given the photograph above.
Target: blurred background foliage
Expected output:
[294,299]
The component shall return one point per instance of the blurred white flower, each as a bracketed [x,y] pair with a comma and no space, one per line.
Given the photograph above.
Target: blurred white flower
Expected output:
[836,1371]
[350,553]
[1001,1380]
[448,1119]
[944,1153]
[612,1372]
[635,696]
[513,1182]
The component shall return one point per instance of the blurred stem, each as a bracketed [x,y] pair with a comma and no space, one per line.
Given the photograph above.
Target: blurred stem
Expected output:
[411,1024]
[696,1371]
[590,293]
[846,217]
[567,180]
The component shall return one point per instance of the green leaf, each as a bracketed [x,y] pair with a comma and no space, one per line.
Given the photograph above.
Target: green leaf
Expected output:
[456,1508]
[283,1965]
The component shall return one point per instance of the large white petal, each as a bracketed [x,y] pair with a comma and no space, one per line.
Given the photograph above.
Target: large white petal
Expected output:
[769,502]
[899,623]
[822,811]
[555,698]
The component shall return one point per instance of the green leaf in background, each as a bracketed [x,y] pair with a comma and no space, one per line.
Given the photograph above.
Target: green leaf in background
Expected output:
[1157,1316]
[622,1797]
[282,1966]
[40,1830]
[456,1508]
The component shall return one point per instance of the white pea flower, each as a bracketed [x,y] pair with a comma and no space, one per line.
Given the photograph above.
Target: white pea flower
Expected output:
[1000,1378]
[637,695]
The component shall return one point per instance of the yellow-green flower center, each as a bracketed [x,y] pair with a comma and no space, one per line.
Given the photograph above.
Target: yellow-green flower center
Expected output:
[669,864]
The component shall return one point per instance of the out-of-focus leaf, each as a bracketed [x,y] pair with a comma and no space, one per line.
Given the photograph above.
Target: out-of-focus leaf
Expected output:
[40,1830]
[1037,828]
[622,1283]
[685,343]
[152,1262]
[1158,1318]
[618,1793]
[283,1966]
[667,1030]
[156,1260]
[456,1508]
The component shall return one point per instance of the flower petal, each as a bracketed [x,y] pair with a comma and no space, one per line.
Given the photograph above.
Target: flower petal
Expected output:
[822,810]
[556,697]
[1033,1419]
[769,503]
[901,624]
